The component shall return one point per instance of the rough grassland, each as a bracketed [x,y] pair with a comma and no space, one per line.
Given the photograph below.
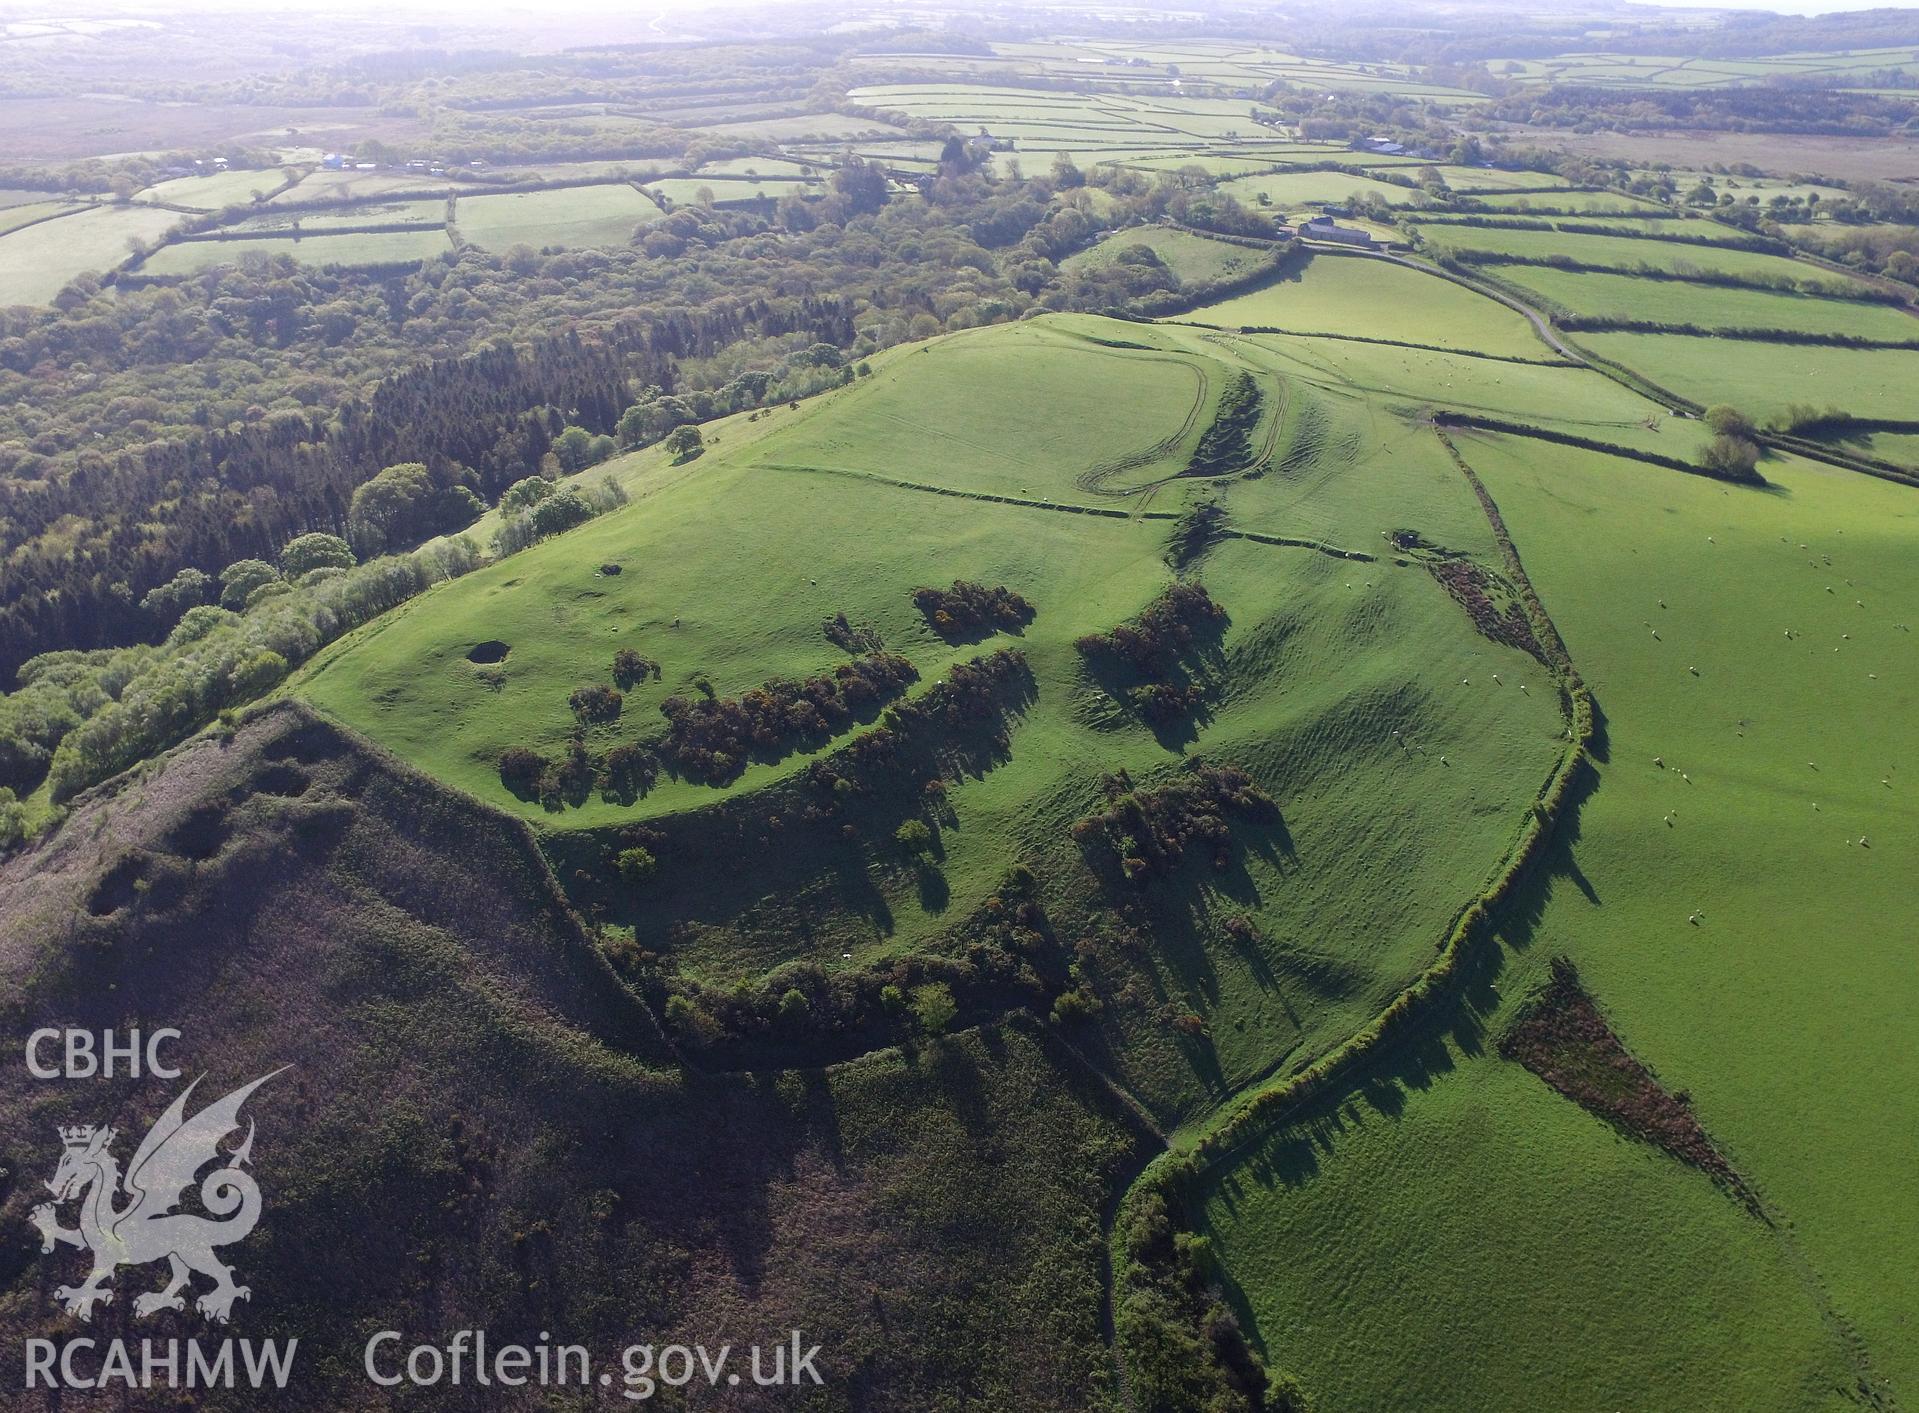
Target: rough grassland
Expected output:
[1361,298]
[473,1130]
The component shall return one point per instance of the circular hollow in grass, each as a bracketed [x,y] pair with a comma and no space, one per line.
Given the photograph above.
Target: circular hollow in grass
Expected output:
[493,650]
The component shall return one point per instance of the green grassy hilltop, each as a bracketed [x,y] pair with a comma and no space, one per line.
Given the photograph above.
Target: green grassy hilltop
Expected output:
[1377,675]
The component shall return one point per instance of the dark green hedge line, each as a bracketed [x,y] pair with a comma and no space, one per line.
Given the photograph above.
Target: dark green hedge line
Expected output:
[1782,284]
[1543,434]
[1582,323]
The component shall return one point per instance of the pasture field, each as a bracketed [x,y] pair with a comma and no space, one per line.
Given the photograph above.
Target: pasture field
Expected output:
[569,216]
[428,212]
[1412,380]
[325,186]
[1288,190]
[1492,180]
[1475,1206]
[1625,253]
[1601,202]
[685,191]
[1609,296]
[759,167]
[37,262]
[828,127]
[1612,224]
[1804,748]
[1847,158]
[616,169]
[11,196]
[187,257]
[1647,71]
[1766,378]
[1352,296]
[1033,117]
[1130,413]
[1451,1223]
[1194,258]
[217,190]
[1900,448]
[1214,164]
[28,212]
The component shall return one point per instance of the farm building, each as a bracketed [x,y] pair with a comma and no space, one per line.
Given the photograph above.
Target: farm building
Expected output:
[1326,228]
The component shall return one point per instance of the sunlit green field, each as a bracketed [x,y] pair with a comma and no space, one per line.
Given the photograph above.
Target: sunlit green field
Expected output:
[358,248]
[587,215]
[1766,378]
[1341,683]
[37,261]
[1194,258]
[1608,296]
[1476,1209]
[1625,253]
[1355,297]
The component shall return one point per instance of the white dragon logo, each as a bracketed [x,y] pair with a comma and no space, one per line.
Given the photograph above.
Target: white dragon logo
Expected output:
[148,1228]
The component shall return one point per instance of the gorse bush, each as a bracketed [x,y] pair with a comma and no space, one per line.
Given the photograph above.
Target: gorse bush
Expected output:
[630,669]
[969,610]
[596,705]
[714,739]
[1165,629]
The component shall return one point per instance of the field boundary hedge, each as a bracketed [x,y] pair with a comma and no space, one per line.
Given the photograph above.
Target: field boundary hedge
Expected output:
[1545,434]
[1594,324]
[1778,285]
